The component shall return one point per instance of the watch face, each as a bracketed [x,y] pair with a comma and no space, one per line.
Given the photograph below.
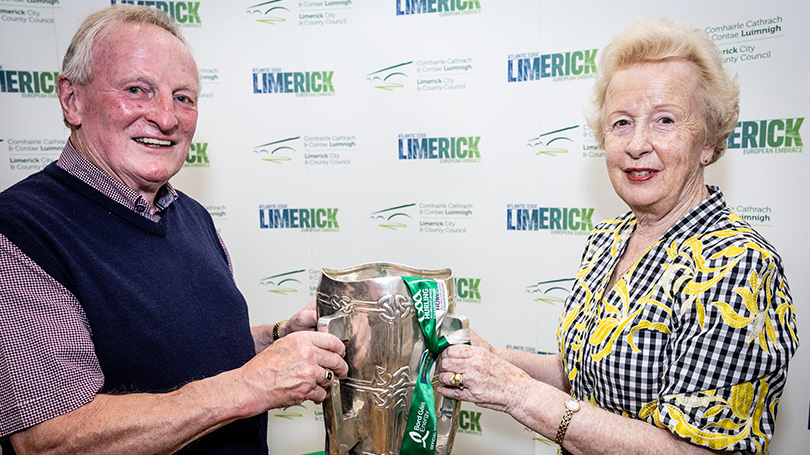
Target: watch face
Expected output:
[572,405]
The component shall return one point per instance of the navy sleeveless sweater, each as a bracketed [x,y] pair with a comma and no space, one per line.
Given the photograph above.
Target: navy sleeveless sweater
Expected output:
[162,304]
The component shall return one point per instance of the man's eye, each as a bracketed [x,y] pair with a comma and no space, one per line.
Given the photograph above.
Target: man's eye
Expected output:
[134,90]
[183,99]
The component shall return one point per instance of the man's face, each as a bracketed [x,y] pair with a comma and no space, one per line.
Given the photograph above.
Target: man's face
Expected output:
[137,117]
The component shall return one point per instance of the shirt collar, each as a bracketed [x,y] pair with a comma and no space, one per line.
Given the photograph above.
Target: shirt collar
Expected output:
[701,217]
[80,167]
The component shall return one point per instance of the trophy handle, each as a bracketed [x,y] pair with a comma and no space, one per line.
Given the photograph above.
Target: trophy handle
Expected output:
[447,409]
[344,434]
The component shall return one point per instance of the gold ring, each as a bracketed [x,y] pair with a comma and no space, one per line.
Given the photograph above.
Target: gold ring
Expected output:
[456,380]
[327,379]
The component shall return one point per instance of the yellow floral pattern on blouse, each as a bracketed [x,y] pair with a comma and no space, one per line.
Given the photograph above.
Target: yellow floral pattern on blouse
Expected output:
[695,337]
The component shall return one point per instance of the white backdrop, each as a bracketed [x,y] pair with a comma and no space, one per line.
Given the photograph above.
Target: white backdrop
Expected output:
[310,109]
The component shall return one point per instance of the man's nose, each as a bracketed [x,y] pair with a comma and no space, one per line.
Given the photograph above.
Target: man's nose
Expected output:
[162,112]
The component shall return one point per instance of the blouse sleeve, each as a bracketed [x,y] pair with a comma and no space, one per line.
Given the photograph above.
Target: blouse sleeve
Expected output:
[729,352]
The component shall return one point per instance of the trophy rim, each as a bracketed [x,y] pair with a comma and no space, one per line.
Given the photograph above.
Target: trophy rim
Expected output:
[356,273]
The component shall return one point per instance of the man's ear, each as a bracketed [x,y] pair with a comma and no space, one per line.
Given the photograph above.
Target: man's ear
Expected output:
[67,92]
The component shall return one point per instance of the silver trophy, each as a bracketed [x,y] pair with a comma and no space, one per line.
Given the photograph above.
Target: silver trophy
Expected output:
[369,307]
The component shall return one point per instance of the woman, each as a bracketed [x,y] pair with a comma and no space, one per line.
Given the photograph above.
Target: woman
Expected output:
[678,331]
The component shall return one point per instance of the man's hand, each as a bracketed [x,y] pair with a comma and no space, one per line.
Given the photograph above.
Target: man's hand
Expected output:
[293,370]
[304,320]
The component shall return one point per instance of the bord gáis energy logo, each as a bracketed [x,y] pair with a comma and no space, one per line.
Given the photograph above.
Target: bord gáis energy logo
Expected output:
[552,143]
[390,78]
[283,283]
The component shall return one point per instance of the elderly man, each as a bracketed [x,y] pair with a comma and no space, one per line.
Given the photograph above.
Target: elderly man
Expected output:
[110,341]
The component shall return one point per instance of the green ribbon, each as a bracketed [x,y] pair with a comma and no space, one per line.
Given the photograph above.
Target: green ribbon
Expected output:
[420,431]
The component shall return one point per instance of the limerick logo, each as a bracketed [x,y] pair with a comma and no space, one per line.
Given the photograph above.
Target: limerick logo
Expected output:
[277,152]
[270,12]
[762,137]
[557,220]
[391,78]
[563,66]
[542,144]
[440,7]
[306,83]
[283,282]
[445,149]
[552,292]
[31,84]
[280,216]
[393,218]
[186,14]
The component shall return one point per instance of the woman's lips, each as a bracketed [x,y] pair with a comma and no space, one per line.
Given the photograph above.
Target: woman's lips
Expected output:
[640,175]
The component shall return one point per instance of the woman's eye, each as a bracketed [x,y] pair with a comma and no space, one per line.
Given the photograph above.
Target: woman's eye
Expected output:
[621,123]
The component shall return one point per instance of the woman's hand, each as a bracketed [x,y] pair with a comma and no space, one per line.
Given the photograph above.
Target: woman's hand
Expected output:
[488,381]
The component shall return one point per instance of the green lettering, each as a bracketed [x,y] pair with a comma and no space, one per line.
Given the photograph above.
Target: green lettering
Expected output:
[193,14]
[774,139]
[572,224]
[585,218]
[576,67]
[749,134]
[179,16]
[331,214]
[444,147]
[557,61]
[305,220]
[556,216]
[792,132]
[298,82]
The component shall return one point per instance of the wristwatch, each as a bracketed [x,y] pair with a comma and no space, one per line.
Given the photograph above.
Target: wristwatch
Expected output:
[571,406]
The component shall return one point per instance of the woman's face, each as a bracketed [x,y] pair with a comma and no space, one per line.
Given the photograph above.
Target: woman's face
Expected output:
[653,140]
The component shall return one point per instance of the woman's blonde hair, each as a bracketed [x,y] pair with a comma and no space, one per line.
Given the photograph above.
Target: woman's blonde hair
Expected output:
[659,39]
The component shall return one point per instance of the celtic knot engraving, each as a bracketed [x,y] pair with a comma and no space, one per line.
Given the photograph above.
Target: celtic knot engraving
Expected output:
[394,307]
[391,387]
[336,302]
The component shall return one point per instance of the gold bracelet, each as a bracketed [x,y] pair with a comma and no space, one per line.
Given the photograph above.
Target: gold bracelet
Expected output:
[571,406]
[277,326]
